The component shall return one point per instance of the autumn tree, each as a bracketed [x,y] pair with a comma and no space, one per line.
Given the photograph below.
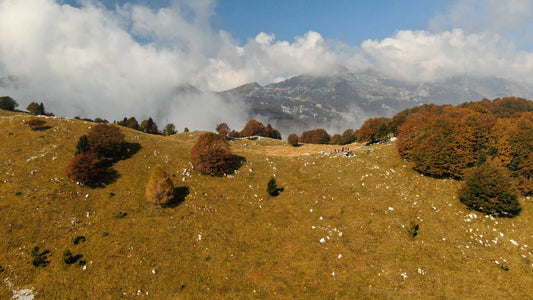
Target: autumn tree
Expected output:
[211,154]
[86,168]
[348,137]
[292,139]
[160,188]
[36,109]
[336,139]
[273,133]
[8,103]
[223,129]
[373,130]
[438,145]
[489,189]
[130,123]
[106,141]
[149,126]
[315,136]
[170,129]
[254,127]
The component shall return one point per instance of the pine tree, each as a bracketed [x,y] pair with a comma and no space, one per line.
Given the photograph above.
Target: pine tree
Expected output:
[83,145]
[160,189]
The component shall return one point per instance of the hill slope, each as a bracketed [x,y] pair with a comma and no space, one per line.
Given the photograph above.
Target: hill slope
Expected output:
[338,229]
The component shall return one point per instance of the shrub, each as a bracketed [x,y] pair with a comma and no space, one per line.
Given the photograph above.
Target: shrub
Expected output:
[315,136]
[211,154]
[39,259]
[78,239]
[160,189]
[292,139]
[413,229]
[36,123]
[254,127]
[70,259]
[106,141]
[489,189]
[83,145]
[272,187]
[86,168]
[7,103]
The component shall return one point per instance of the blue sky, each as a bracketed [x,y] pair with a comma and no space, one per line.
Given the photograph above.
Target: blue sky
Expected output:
[346,20]
[349,21]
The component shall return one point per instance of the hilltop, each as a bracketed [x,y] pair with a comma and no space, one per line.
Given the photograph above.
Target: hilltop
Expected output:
[338,230]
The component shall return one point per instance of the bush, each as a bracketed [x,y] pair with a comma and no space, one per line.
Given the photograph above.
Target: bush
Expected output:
[413,229]
[273,133]
[78,239]
[70,259]
[272,187]
[489,189]
[86,168]
[211,154]
[160,189]
[292,139]
[106,141]
[39,259]
[7,103]
[316,136]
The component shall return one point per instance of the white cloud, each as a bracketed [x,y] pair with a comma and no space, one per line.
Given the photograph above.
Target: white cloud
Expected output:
[96,62]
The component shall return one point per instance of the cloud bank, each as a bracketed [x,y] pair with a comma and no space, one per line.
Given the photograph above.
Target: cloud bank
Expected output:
[131,60]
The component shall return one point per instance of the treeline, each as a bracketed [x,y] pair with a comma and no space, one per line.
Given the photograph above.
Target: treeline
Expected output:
[252,128]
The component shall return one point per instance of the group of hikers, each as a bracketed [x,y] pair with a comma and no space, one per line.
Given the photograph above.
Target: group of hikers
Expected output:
[344,150]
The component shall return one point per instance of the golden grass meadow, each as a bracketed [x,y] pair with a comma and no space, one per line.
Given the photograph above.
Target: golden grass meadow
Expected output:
[339,230]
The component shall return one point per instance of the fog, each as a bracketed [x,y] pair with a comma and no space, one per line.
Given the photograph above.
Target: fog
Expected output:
[92,61]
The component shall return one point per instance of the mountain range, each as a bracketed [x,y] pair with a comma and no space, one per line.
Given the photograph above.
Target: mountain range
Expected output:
[347,99]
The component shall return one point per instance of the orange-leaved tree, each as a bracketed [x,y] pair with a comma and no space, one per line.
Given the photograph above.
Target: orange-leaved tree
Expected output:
[254,127]
[106,141]
[160,188]
[212,154]
[86,168]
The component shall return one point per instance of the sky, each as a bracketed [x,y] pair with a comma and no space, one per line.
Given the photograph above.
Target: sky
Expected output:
[126,58]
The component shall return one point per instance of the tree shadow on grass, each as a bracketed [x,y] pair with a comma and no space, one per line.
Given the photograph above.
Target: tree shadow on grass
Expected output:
[128,150]
[111,175]
[237,162]
[180,193]
[41,128]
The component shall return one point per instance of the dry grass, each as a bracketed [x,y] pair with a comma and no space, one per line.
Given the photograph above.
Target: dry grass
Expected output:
[230,239]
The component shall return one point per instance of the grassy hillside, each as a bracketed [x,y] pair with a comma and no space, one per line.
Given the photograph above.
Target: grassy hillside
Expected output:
[339,229]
